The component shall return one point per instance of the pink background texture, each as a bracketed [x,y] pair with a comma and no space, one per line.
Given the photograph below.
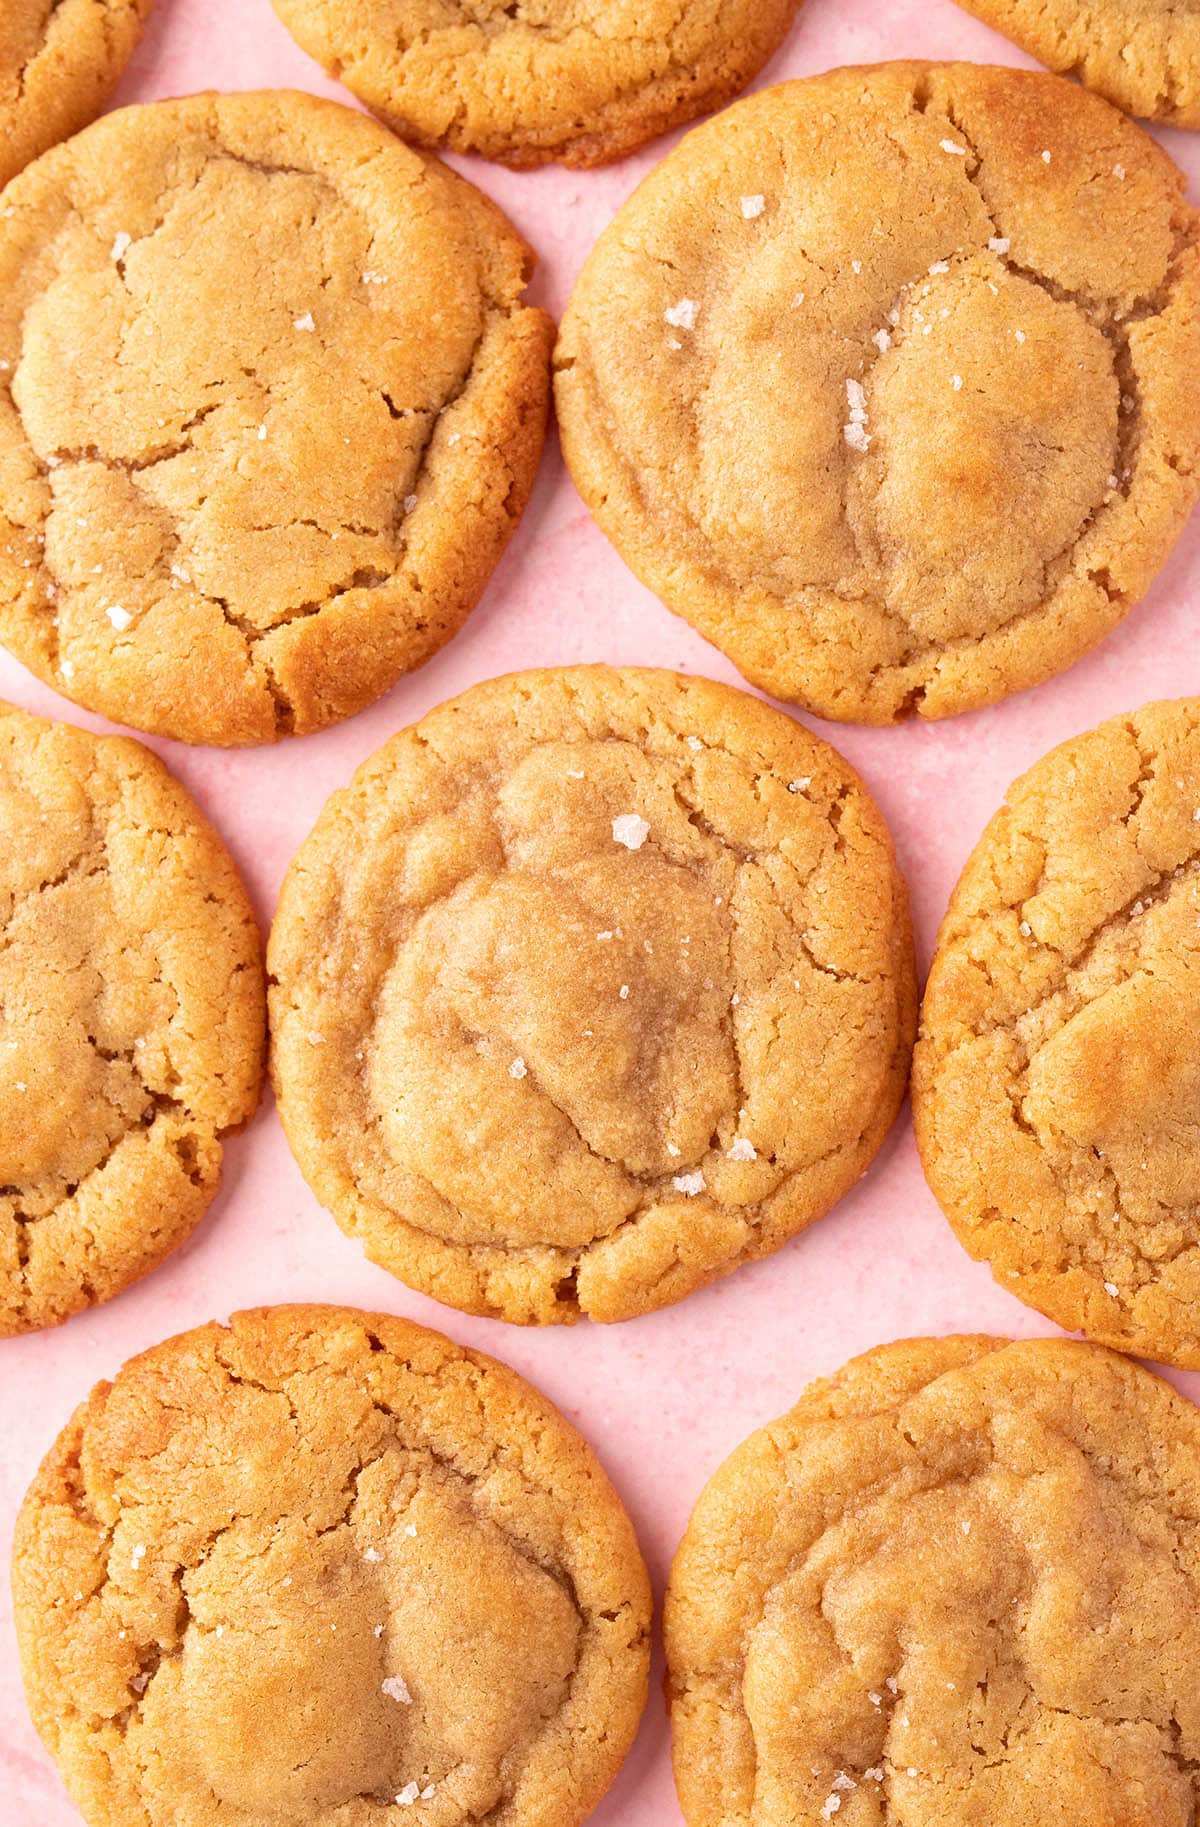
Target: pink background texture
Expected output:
[663,1399]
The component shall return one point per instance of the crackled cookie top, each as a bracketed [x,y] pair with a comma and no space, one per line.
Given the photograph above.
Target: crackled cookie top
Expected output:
[578,80]
[959,1583]
[1142,54]
[1057,1089]
[59,60]
[886,381]
[591,986]
[319,1567]
[131,1016]
[270,407]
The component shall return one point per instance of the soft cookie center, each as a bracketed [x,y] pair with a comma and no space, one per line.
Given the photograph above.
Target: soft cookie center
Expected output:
[549,1043]
[942,460]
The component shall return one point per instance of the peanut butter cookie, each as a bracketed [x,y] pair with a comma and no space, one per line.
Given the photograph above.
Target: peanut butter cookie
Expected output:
[959,1583]
[886,381]
[1057,1085]
[270,408]
[1142,54]
[59,61]
[592,986]
[321,1566]
[583,81]
[131,1016]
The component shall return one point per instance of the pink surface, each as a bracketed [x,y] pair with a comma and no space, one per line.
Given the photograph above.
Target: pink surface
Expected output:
[663,1399]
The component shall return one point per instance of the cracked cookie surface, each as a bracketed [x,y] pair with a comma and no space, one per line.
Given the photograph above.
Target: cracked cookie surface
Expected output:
[1056,1090]
[957,1583]
[319,1565]
[131,1016]
[1142,54]
[528,81]
[271,406]
[591,986]
[885,380]
[59,61]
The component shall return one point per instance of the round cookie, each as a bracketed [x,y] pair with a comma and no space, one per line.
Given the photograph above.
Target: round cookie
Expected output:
[1142,54]
[958,1583]
[885,381]
[59,62]
[271,408]
[581,81]
[590,987]
[132,1037]
[1056,1091]
[321,1565]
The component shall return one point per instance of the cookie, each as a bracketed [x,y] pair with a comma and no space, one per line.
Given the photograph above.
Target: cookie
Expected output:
[957,1583]
[591,986]
[131,1016]
[1142,54]
[272,406]
[885,381]
[581,81]
[1057,1080]
[318,1565]
[59,62]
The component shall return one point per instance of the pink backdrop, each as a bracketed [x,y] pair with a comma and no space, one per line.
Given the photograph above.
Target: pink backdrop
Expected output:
[663,1399]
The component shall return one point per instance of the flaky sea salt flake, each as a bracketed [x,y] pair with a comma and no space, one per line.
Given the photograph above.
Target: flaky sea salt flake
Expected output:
[396,1688]
[753,206]
[630,829]
[682,316]
[689,1184]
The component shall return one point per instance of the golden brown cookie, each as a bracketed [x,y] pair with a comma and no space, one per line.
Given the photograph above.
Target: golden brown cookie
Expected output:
[582,81]
[886,381]
[271,406]
[958,1584]
[131,1016]
[1142,54]
[320,1567]
[590,987]
[1056,1092]
[59,62]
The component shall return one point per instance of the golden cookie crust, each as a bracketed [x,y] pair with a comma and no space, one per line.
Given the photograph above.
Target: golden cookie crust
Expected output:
[885,381]
[579,81]
[957,1583]
[272,406]
[1056,1089]
[59,62]
[1142,54]
[132,1032]
[319,1565]
[591,986]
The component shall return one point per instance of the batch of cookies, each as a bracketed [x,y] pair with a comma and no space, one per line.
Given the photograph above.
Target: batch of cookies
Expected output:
[599,983]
